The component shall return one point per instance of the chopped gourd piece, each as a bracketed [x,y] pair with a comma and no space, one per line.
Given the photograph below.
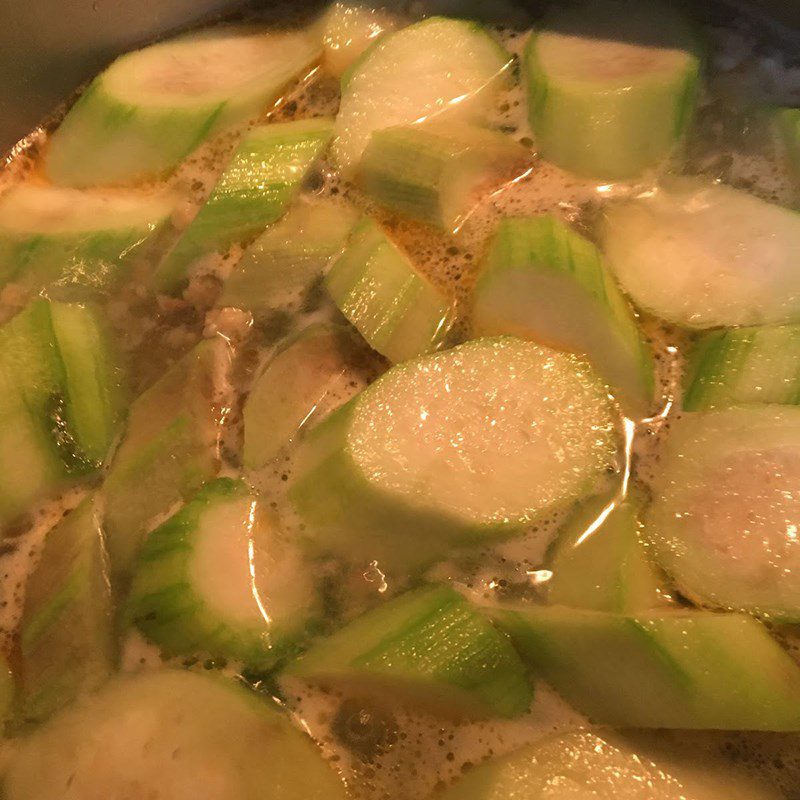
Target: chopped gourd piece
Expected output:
[661,669]
[540,280]
[348,29]
[7,690]
[589,765]
[704,255]
[742,366]
[301,383]
[72,238]
[263,176]
[444,68]
[599,562]
[395,308]
[725,510]
[216,579]
[170,448]
[66,639]
[462,447]
[170,735]
[435,173]
[152,107]
[428,647]
[611,85]
[788,124]
[289,258]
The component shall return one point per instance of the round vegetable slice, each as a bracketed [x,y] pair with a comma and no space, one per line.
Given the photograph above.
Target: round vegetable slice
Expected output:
[433,68]
[170,735]
[726,511]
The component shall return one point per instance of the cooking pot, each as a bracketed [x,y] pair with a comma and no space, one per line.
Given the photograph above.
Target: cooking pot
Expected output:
[49,47]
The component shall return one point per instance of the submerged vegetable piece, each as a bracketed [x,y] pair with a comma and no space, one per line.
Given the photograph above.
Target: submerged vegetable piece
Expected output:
[6,690]
[169,450]
[704,255]
[599,562]
[443,68]
[73,238]
[428,648]
[543,281]
[213,580]
[611,85]
[664,669]
[66,639]
[435,172]
[288,259]
[301,382]
[169,735]
[742,366]
[462,447]
[253,191]
[726,508]
[788,124]
[153,106]
[588,765]
[395,308]
[348,29]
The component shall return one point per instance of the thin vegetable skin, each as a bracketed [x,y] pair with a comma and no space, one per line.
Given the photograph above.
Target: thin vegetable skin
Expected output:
[428,648]
[462,447]
[611,85]
[152,107]
[264,174]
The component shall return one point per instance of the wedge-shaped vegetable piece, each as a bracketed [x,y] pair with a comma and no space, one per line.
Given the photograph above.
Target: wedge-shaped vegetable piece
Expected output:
[543,281]
[436,172]
[301,383]
[279,268]
[169,734]
[465,446]
[588,765]
[611,85]
[54,235]
[726,508]
[705,255]
[440,67]
[348,29]
[253,191]
[395,308]
[599,562]
[427,647]
[788,125]
[66,640]
[169,450]
[666,669]
[742,366]
[152,107]
[217,579]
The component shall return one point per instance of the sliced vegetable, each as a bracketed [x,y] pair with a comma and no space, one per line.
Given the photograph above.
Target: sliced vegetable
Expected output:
[611,85]
[726,509]
[440,67]
[169,735]
[429,648]
[66,640]
[169,450]
[253,191]
[6,690]
[666,669]
[300,384]
[543,281]
[704,255]
[54,235]
[599,562]
[742,366]
[348,29]
[153,106]
[395,308]
[435,173]
[213,580]
[464,446]
[788,124]
[279,268]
